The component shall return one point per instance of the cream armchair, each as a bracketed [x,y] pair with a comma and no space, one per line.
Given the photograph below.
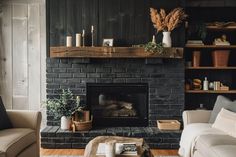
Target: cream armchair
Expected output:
[196,116]
[23,139]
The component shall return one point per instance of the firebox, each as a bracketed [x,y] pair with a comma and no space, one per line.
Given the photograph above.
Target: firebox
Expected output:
[119,105]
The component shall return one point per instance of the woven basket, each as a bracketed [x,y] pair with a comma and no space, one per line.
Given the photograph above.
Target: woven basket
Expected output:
[220,58]
[83,126]
[168,124]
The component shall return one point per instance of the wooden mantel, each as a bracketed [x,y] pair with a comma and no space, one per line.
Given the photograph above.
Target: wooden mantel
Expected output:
[112,52]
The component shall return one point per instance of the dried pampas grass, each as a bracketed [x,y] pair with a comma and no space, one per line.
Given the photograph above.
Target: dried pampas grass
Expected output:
[163,22]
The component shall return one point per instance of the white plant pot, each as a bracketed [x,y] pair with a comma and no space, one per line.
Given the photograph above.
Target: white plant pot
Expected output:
[167,39]
[65,123]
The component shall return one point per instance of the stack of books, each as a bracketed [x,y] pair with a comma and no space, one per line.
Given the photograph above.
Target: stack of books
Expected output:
[120,149]
[195,42]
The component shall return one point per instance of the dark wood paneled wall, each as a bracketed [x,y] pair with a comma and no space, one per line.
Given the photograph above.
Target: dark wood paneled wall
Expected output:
[127,21]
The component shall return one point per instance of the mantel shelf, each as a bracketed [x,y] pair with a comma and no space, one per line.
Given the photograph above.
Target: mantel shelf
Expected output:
[211,91]
[210,46]
[112,52]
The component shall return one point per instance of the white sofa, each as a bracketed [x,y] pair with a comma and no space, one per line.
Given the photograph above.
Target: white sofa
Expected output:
[199,139]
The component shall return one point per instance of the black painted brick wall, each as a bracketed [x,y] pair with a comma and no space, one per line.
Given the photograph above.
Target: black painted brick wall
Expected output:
[165,79]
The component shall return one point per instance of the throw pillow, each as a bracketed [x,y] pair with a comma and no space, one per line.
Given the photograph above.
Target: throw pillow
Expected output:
[5,122]
[221,102]
[226,122]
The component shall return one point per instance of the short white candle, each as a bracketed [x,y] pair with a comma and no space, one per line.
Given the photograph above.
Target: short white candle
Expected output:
[78,40]
[69,41]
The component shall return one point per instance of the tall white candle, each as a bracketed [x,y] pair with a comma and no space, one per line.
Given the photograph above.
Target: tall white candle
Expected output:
[69,41]
[92,28]
[78,40]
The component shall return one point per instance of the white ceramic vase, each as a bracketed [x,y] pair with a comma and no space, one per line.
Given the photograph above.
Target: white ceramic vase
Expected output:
[65,123]
[167,39]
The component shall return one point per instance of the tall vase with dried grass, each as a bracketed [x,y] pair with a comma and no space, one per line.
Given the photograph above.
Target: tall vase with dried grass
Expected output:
[166,23]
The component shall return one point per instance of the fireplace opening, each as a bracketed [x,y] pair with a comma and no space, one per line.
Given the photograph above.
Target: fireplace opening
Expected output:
[118,105]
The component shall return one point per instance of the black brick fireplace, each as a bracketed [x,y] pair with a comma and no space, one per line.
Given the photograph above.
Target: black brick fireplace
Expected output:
[162,81]
[118,104]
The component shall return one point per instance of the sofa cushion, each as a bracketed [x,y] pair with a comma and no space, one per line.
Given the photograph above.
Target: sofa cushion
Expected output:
[224,150]
[5,122]
[206,144]
[226,122]
[213,140]
[13,141]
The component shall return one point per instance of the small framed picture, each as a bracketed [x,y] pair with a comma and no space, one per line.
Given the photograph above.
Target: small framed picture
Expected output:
[107,42]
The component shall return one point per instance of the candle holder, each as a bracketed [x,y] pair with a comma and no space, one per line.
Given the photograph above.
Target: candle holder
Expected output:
[83,40]
[92,38]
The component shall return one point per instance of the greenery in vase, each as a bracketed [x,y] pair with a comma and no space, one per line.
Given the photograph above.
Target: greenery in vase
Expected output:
[64,106]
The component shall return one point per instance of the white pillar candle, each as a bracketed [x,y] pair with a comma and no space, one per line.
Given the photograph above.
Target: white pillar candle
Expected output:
[78,40]
[69,41]
[92,28]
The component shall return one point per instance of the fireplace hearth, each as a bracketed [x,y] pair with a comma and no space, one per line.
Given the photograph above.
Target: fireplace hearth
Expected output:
[118,105]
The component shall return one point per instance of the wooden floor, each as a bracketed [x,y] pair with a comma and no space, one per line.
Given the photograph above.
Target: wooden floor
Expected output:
[81,152]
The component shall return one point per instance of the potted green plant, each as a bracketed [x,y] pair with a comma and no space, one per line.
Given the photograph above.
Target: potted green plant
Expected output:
[62,108]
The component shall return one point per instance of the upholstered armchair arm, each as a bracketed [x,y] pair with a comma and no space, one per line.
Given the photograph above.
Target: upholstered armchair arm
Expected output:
[25,119]
[196,116]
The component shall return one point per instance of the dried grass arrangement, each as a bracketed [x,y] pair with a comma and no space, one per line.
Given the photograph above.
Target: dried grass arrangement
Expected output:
[167,22]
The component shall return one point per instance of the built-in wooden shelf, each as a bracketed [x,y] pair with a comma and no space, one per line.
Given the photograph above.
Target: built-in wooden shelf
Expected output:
[211,46]
[112,52]
[215,28]
[211,91]
[210,68]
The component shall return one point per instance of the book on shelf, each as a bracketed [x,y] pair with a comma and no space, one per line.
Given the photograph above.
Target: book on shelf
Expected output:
[194,42]
[120,149]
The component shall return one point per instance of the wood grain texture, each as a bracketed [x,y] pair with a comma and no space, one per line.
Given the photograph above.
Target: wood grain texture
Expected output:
[6,55]
[23,54]
[20,59]
[113,52]
[155,152]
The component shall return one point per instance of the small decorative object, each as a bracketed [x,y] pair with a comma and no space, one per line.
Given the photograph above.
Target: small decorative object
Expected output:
[223,87]
[211,85]
[197,84]
[167,22]
[69,41]
[153,47]
[110,149]
[83,36]
[201,107]
[107,42]
[221,41]
[168,124]
[205,84]
[196,58]
[217,85]
[78,40]
[92,33]
[220,58]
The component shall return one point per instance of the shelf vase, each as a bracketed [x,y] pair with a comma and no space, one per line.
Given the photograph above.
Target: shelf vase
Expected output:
[166,40]
[65,123]
[196,58]
[220,58]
